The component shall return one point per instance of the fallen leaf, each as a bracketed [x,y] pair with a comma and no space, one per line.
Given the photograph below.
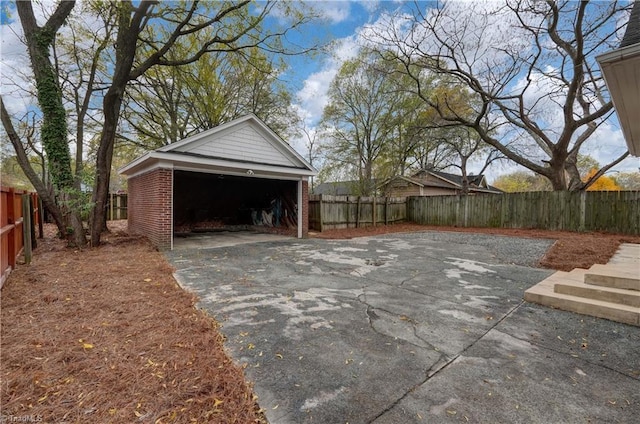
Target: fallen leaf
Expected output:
[279,356]
[85,345]
[451,412]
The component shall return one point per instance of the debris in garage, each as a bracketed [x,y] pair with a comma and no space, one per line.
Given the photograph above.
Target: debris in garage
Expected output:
[211,202]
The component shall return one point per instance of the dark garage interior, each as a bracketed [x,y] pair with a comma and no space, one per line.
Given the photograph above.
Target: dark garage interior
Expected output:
[213,202]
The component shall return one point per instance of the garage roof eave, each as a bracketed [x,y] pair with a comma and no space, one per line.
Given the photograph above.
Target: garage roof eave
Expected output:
[133,166]
[620,71]
[157,159]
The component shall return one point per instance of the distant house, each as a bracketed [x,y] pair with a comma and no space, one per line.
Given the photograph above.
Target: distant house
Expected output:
[434,183]
[335,188]
[341,188]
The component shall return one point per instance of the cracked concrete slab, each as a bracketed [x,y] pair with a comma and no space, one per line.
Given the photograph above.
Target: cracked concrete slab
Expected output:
[420,327]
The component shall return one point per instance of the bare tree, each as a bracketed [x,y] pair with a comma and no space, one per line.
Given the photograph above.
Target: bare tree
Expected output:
[465,145]
[530,63]
[360,117]
[39,41]
[149,32]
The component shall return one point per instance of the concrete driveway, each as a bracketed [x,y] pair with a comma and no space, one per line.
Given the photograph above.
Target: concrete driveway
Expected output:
[411,328]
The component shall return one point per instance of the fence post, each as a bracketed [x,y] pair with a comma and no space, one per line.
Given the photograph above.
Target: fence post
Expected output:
[26,227]
[373,212]
[386,210]
[358,213]
[11,236]
[32,219]
[320,213]
[110,210]
[583,210]
[40,217]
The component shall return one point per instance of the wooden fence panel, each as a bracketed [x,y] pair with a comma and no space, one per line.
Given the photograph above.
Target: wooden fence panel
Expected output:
[609,211]
[329,212]
[117,206]
[12,227]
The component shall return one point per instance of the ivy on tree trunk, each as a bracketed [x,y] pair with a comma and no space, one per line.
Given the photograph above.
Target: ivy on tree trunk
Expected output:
[54,117]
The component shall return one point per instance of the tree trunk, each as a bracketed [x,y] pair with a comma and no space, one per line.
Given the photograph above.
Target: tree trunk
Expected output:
[465,178]
[557,177]
[54,116]
[47,197]
[103,164]
[125,53]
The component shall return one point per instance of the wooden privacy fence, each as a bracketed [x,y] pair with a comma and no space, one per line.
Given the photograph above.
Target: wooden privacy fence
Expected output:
[117,206]
[19,215]
[609,211]
[328,212]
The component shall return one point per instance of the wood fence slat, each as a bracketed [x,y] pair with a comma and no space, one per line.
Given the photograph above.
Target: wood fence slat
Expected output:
[616,212]
[17,213]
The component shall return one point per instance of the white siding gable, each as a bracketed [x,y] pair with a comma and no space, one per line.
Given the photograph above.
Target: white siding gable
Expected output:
[240,143]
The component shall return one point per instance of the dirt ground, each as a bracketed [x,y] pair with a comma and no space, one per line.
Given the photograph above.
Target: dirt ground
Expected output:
[106,335]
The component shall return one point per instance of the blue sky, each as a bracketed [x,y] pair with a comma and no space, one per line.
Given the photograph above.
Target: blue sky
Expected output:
[309,78]
[344,24]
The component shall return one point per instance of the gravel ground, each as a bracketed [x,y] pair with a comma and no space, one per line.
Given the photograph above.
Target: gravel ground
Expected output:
[510,250]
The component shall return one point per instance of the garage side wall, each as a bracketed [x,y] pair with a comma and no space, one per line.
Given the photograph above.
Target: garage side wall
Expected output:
[149,206]
[305,209]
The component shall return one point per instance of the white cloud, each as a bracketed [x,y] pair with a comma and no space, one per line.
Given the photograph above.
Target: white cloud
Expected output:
[333,11]
[369,5]
[15,72]
[312,98]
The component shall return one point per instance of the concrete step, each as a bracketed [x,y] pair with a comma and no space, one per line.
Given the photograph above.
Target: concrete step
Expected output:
[544,293]
[620,276]
[627,253]
[606,294]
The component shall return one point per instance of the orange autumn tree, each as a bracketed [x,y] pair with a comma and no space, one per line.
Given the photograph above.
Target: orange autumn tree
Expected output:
[603,183]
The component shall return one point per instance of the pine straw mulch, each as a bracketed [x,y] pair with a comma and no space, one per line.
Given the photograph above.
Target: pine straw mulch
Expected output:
[570,250]
[105,335]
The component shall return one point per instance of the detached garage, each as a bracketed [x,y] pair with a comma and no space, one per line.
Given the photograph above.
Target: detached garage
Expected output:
[240,174]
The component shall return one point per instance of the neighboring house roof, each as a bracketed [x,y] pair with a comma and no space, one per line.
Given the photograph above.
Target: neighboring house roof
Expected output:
[336,188]
[243,146]
[474,180]
[340,188]
[477,183]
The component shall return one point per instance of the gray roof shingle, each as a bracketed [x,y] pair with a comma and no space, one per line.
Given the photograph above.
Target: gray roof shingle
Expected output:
[632,33]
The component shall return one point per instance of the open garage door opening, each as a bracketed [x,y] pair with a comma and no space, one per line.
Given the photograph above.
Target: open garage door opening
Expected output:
[204,202]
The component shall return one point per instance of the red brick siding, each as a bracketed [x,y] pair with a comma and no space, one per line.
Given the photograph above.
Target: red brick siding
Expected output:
[305,209]
[149,206]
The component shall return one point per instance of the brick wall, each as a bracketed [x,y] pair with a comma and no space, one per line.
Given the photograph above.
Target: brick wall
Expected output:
[305,209]
[149,206]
